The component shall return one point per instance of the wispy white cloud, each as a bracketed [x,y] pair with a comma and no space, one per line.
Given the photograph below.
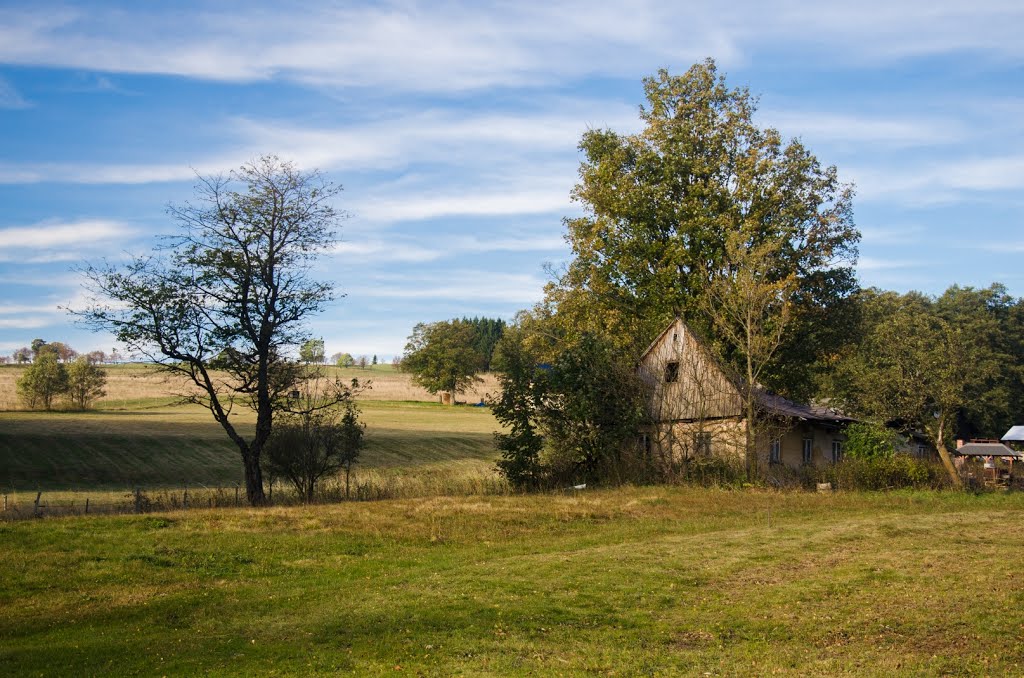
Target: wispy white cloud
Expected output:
[460,46]
[27,322]
[460,285]
[882,264]
[60,241]
[896,132]
[934,181]
[403,250]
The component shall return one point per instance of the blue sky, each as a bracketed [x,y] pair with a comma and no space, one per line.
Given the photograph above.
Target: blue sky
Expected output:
[453,128]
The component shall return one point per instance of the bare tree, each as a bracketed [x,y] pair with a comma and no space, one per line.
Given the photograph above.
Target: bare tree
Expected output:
[224,301]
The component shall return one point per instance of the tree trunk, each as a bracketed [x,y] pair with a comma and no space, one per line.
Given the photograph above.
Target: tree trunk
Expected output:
[947,461]
[750,454]
[253,479]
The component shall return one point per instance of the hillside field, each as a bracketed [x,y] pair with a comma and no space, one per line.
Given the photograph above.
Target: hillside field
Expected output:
[649,581]
[137,436]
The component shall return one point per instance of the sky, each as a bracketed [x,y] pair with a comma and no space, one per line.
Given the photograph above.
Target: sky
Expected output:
[453,128]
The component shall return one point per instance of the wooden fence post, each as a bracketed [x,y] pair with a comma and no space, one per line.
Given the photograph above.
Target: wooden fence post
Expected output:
[184,498]
[35,509]
[5,503]
[87,506]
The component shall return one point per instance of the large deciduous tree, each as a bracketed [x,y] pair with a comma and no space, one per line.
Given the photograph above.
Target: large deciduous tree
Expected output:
[230,291]
[442,356]
[659,207]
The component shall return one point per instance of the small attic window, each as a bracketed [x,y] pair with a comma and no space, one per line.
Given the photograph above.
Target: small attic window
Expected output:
[671,372]
[675,337]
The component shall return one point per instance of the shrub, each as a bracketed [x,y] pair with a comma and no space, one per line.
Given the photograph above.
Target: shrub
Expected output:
[884,473]
[865,440]
[85,382]
[43,381]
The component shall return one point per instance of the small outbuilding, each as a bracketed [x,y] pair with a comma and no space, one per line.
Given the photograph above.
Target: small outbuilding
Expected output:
[995,458]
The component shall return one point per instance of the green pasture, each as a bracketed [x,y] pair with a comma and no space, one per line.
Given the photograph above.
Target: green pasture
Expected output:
[150,443]
[629,582]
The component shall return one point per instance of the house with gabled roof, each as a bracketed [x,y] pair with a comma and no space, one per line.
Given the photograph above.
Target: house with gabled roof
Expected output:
[697,409]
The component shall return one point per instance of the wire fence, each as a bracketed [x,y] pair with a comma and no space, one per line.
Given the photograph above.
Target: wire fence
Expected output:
[371,485]
[19,505]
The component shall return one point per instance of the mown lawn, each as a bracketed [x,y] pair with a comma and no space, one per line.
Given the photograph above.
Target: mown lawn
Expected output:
[648,581]
[154,445]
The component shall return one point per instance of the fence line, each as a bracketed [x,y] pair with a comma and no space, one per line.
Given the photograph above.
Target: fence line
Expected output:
[370,485]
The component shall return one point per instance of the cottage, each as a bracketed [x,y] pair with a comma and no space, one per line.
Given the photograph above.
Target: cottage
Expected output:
[697,409]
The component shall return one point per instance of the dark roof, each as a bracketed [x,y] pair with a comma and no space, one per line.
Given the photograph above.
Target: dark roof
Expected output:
[1015,434]
[778,405]
[987,450]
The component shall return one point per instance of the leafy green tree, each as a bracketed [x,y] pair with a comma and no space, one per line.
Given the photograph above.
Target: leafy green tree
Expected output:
[312,351]
[351,436]
[22,355]
[517,408]
[867,440]
[86,382]
[659,206]
[593,408]
[442,358]
[45,380]
[919,371]
[994,320]
[344,360]
[571,420]
[234,283]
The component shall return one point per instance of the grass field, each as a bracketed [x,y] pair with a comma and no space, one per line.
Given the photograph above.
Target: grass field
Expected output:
[651,581]
[137,436]
[163,446]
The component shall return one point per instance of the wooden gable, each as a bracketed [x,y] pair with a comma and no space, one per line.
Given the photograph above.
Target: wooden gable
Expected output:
[685,381]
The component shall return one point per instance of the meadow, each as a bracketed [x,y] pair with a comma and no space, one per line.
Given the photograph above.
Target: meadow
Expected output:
[633,581]
[448,573]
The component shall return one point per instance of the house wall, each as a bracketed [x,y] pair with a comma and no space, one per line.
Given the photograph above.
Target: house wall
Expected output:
[678,441]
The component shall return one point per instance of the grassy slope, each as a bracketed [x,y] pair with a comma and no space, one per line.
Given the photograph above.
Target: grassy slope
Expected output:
[632,582]
[154,445]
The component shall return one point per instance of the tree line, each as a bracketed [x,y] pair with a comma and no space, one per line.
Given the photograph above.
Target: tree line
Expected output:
[64,352]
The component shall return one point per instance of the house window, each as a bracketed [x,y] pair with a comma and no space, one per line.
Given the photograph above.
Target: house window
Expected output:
[671,372]
[775,452]
[808,450]
[922,451]
[645,443]
[837,451]
[702,444]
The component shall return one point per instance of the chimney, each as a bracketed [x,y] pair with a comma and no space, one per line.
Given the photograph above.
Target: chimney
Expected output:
[959,443]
